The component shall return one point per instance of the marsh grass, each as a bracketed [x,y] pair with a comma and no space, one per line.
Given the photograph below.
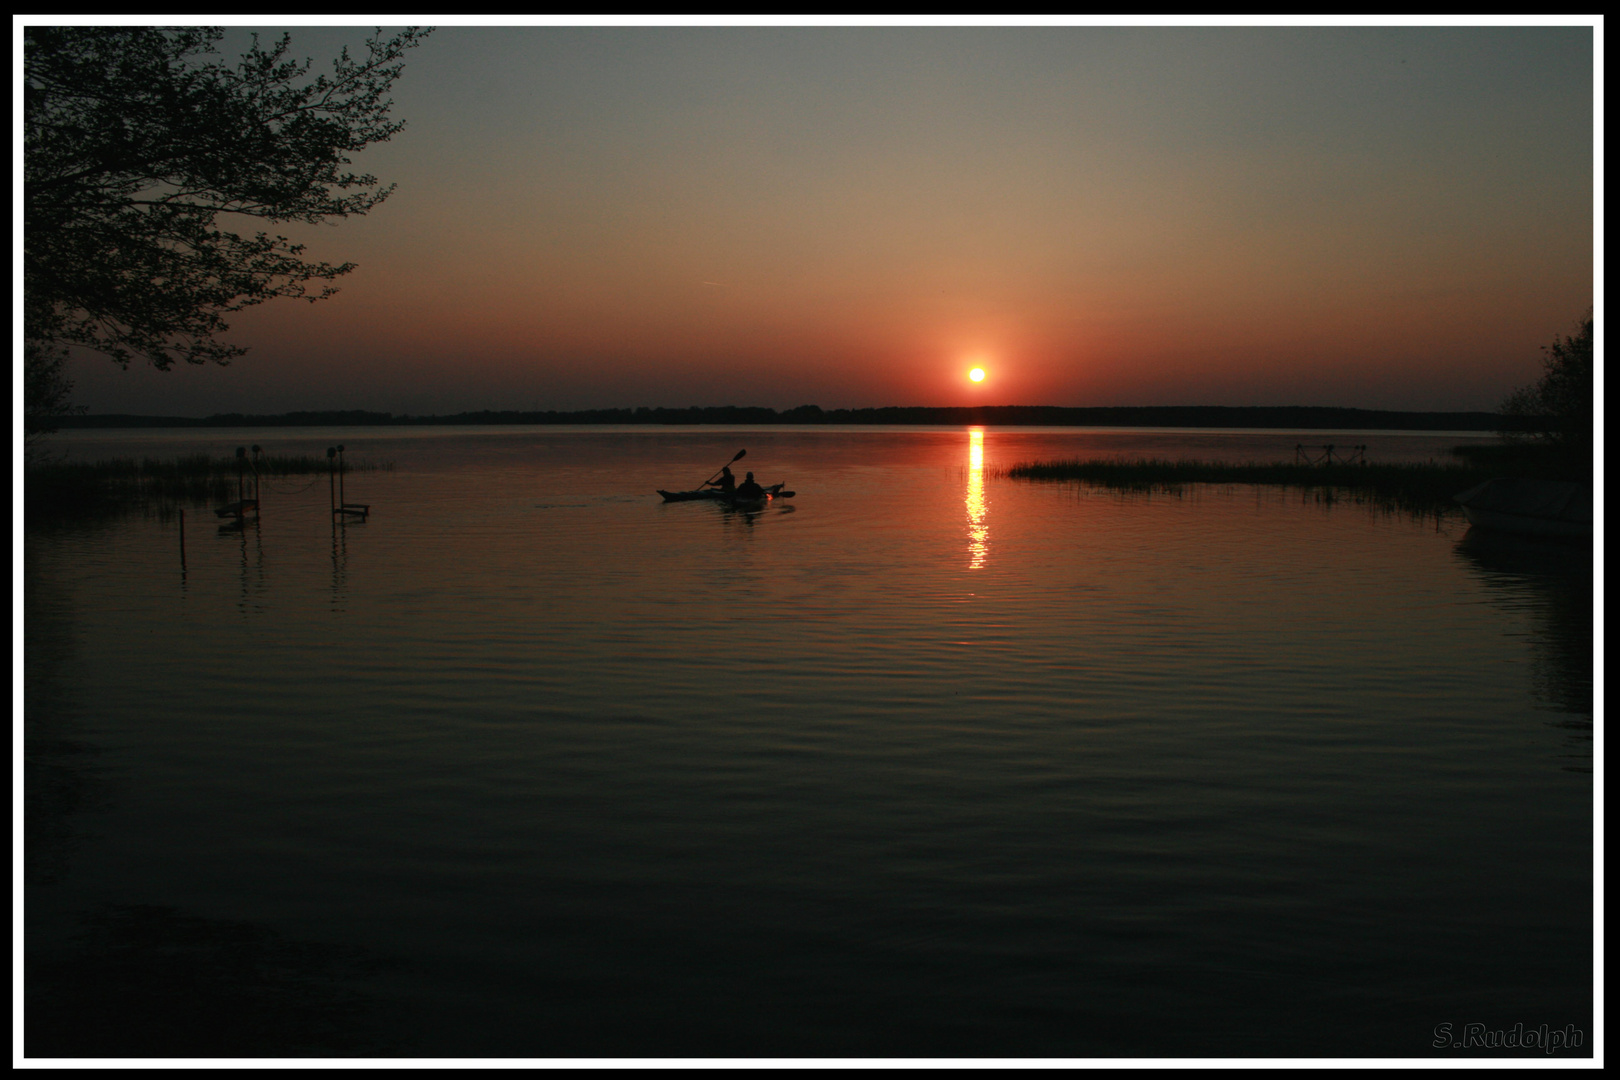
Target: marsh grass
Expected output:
[125,483]
[1422,488]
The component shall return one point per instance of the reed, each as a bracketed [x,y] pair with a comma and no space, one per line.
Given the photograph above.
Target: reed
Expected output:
[1423,488]
[122,483]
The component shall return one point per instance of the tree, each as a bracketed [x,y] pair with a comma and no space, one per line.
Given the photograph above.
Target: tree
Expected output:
[137,141]
[1559,405]
[47,391]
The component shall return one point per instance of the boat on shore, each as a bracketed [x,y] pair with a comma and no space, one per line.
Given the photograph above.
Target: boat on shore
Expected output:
[1530,507]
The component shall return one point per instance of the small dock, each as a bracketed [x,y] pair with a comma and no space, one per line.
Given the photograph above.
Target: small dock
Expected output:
[342,510]
[246,506]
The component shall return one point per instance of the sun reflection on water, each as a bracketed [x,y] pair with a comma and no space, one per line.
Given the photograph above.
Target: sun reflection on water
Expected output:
[978,531]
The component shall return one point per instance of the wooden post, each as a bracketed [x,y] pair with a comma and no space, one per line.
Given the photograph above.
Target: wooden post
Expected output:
[182,539]
[342,499]
[331,477]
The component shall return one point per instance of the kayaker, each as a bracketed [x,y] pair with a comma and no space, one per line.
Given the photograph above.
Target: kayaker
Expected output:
[727,483]
[749,490]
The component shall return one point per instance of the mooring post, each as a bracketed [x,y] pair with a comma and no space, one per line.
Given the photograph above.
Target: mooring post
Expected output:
[241,486]
[182,539]
[256,505]
[331,477]
[343,500]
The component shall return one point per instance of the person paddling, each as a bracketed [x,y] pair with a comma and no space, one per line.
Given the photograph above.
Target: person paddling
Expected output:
[727,483]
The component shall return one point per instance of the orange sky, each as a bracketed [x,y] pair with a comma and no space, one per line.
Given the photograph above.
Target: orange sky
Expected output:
[1386,218]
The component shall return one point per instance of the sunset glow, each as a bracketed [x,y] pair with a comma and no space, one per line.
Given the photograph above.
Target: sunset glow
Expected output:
[598,217]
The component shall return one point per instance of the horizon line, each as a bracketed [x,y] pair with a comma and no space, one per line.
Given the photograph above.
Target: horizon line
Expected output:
[807,409]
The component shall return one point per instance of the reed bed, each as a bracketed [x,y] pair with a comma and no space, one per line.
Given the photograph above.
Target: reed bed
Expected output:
[1421,488]
[121,483]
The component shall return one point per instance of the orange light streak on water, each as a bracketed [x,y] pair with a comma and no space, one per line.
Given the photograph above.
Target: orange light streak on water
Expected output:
[977,505]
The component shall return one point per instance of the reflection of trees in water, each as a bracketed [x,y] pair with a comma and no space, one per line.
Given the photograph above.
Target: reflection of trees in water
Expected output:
[138,981]
[1552,581]
[145,981]
[57,779]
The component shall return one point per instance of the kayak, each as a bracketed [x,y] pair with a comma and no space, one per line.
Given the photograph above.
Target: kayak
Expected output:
[758,502]
[716,495]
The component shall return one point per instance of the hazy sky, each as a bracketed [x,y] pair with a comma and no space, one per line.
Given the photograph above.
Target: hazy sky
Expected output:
[1387,218]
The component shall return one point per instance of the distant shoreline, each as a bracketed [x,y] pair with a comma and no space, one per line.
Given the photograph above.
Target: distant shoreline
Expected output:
[1176,416]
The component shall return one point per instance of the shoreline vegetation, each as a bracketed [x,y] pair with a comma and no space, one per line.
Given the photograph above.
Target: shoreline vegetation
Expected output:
[1417,487]
[71,488]
[1193,416]
[59,488]
[1421,488]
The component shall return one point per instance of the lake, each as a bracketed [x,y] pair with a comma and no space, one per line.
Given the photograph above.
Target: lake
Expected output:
[922,762]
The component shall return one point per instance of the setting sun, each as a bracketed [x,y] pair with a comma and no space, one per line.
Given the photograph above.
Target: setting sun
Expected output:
[977,374]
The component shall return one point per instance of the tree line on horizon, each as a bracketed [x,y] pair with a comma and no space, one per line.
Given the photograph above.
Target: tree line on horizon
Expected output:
[1214,416]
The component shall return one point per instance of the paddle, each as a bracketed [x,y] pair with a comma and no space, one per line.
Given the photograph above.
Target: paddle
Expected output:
[723,468]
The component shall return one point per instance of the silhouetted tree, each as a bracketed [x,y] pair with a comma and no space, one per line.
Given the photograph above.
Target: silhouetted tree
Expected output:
[136,141]
[1559,405]
[47,391]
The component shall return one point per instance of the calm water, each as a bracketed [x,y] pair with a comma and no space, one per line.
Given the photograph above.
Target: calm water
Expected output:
[921,762]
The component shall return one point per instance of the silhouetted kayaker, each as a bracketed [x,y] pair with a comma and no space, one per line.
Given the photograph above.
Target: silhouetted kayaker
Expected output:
[748,489]
[727,483]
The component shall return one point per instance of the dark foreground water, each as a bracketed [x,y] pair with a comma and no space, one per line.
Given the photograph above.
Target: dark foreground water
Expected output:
[922,762]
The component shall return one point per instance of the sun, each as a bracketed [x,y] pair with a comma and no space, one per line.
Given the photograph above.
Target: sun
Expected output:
[977,374]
